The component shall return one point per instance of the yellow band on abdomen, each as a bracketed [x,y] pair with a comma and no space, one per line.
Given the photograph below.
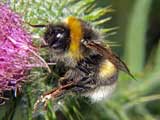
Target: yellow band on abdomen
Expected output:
[107,69]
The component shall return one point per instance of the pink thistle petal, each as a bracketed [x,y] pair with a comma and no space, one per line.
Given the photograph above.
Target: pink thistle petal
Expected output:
[17,53]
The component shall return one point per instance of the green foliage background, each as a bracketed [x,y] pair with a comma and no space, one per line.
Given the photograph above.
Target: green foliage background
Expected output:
[136,41]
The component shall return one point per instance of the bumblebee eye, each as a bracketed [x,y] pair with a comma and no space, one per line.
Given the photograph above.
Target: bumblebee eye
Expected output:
[57,37]
[60,35]
[59,32]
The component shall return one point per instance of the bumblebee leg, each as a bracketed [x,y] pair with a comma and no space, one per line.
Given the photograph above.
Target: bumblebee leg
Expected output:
[87,80]
[2,98]
[2,101]
[85,84]
[63,81]
[81,88]
[54,94]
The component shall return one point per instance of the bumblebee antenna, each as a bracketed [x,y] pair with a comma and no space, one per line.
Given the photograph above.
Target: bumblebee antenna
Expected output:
[36,26]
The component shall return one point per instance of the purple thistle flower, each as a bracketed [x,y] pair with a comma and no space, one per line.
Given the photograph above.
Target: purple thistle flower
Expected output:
[17,53]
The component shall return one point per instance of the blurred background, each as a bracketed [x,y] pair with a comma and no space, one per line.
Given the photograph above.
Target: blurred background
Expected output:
[134,33]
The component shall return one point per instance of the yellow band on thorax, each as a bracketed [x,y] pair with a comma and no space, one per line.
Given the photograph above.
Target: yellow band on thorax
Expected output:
[76,35]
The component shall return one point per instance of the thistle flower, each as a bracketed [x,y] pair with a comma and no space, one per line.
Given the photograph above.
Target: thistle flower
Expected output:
[17,53]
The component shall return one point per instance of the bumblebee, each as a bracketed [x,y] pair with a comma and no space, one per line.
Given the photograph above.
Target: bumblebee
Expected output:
[93,68]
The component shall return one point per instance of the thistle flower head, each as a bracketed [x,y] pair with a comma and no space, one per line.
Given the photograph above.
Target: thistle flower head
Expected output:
[17,53]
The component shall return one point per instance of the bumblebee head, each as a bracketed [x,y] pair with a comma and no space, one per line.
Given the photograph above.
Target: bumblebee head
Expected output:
[57,37]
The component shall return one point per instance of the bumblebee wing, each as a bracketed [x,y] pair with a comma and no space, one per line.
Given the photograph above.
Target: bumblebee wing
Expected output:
[121,65]
[100,49]
[108,54]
